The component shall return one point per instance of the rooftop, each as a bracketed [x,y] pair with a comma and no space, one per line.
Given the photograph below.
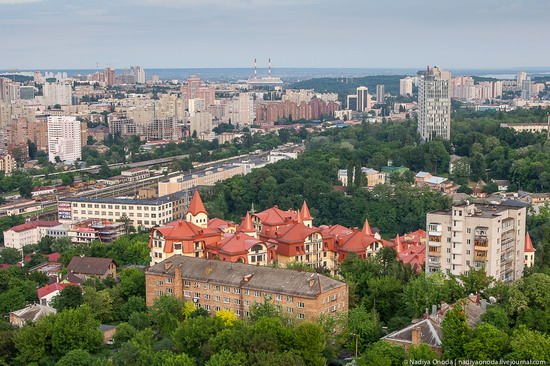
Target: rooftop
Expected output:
[275,280]
[89,265]
[130,201]
[33,225]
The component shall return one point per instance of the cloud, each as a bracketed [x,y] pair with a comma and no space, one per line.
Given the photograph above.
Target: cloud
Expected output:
[224,3]
[17,1]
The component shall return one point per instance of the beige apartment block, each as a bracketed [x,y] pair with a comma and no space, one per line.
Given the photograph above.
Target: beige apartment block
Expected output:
[473,236]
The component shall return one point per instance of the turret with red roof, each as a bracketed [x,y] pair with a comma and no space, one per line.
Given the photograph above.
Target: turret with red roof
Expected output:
[197,213]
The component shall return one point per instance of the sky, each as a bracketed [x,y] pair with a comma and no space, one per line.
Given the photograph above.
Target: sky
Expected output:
[73,34]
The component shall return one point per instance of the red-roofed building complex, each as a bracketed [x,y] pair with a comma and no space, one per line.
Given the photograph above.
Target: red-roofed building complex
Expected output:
[273,235]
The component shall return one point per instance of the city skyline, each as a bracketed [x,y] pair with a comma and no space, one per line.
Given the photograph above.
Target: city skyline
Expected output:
[63,34]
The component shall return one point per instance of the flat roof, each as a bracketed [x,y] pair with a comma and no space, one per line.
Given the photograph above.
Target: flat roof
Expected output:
[130,201]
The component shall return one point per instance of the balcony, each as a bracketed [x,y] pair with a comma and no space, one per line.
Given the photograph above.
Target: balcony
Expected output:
[480,256]
[434,261]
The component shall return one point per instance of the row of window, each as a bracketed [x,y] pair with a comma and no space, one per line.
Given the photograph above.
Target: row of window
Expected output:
[236,290]
[122,207]
[131,214]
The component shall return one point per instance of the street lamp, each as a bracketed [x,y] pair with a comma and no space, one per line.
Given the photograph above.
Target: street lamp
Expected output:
[356,343]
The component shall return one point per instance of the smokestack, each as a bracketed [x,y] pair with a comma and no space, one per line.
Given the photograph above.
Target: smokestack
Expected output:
[255,73]
[269,68]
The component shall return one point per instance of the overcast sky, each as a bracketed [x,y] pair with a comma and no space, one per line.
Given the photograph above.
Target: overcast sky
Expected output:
[294,33]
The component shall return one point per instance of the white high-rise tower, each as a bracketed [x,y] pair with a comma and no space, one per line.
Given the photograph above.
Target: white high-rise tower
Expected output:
[434,104]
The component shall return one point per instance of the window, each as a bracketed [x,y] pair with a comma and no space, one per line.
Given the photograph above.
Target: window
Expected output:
[170,290]
[197,295]
[257,293]
[217,308]
[226,300]
[216,298]
[186,283]
[237,301]
[279,297]
[300,316]
[301,305]
[197,285]
[289,299]
[216,288]
[206,296]
[247,303]
[187,293]
[247,292]
[207,307]
[207,286]
[226,289]
[289,310]
[237,290]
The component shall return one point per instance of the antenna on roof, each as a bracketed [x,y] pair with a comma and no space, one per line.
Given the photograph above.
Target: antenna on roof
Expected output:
[269,67]
[255,73]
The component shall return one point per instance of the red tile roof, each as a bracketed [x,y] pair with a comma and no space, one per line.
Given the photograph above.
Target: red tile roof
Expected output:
[181,229]
[334,230]
[295,232]
[54,257]
[275,216]
[246,224]
[217,223]
[366,228]
[305,212]
[529,248]
[33,225]
[196,206]
[356,241]
[239,243]
[48,289]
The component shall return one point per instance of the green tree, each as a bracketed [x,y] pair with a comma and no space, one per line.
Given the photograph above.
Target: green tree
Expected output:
[529,345]
[364,328]
[487,343]
[383,353]
[132,283]
[34,342]
[76,329]
[167,313]
[422,352]
[69,298]
[100,303]
[78,357]
[455,332]
[227,358]
[10,256]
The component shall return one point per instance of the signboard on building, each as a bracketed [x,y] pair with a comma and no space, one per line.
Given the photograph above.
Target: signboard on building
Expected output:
[64,211]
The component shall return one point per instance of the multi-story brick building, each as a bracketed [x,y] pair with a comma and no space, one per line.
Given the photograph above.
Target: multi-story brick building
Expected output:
[476,236]
[268,113]
[216,285]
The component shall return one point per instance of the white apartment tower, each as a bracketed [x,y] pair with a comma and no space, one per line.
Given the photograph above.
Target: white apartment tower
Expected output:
[406,86]
[476,236]
[57,93]
[363,99]
[434,104]
[64,139]
[139,74]
[380,93]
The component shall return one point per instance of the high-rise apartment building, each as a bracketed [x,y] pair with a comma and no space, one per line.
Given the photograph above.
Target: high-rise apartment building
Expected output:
[380,93]
[139,74]
[200,122]
[57,93]
[434,104]
[246,109]
[406,86]
[473,236]
[109,76]
[363,99]
[522,76]
[64,138]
